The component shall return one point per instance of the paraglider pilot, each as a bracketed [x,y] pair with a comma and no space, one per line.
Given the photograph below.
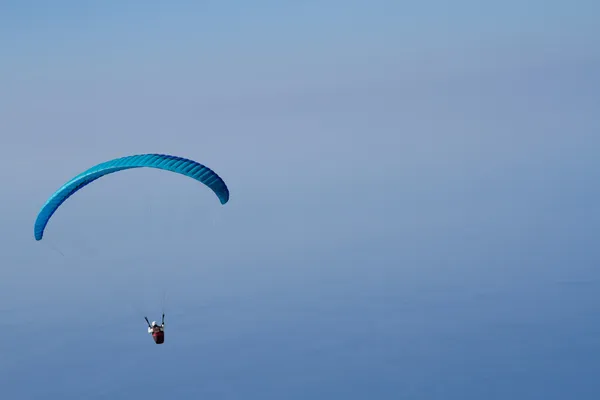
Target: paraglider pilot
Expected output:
[157,331]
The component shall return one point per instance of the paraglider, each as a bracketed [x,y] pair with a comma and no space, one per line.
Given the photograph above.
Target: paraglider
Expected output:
[166,162]
[157,331]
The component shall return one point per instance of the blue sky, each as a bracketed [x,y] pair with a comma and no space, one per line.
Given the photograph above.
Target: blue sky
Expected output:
[414,208]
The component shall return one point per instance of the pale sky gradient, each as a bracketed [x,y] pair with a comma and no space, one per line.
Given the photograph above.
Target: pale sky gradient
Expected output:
[414,206]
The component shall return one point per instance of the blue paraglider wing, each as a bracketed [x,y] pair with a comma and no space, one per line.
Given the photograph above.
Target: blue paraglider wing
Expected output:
[179,165]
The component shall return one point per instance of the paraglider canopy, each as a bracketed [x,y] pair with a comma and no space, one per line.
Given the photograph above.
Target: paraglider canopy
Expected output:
[166,162]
